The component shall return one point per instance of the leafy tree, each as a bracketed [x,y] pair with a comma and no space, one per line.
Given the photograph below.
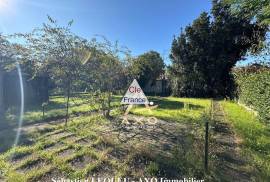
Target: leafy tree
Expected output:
[4,45]
[189,56]
[72,63]
[8,59]
[58,53]
[259,9]
[256,10]
[147,67]
[204,54]
[105,72]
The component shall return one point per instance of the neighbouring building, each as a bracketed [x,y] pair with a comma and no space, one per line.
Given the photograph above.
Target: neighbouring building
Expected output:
[159,87]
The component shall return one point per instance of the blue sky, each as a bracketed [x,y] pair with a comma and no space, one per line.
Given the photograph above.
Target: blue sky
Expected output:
[141,25]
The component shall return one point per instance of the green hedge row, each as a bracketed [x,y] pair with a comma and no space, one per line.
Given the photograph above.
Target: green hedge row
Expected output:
[253,90]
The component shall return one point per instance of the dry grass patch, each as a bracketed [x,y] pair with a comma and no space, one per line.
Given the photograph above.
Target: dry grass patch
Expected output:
[32,165]
[82,161]
[54,173]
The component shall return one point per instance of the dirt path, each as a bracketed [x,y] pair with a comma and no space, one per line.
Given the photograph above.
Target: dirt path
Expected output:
[230,163]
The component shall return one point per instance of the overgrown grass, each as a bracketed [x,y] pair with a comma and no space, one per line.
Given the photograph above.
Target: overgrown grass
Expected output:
[16,160]
[56,108]
[86,136]
[255,135]
[176,109]
[95,137]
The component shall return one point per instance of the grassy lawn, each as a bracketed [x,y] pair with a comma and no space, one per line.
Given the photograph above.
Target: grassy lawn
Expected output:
[185,110]
[255,135]
[88,147]
[56,109]
[55,149]
[92,145]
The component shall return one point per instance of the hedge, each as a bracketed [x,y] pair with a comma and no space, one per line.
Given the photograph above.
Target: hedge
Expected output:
[253,90]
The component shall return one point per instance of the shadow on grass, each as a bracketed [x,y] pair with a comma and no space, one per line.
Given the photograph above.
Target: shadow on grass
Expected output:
[8,135]
[173,105]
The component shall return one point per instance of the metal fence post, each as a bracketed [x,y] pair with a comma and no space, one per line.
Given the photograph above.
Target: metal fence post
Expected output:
[206,144]
[206,147]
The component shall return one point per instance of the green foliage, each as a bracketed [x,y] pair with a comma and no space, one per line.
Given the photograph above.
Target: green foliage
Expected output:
[104,70]
[104,73]
[254,90]
[259,9]
[73,63]
[147,67]
[204,54]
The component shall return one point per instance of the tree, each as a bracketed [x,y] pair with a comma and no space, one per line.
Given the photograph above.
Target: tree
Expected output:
[3,47]
[8,58]
[258,9]
[204,54]
[147,67]
[105,72]
[189,54]
[58,53]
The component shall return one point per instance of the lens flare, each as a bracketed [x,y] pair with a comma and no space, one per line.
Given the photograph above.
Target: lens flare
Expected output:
[3,4]
[21,107]
[8,7]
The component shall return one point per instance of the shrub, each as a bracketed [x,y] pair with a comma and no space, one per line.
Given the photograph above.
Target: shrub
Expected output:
[254,89]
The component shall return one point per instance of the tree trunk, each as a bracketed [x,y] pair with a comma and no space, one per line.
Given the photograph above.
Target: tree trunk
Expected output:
[67,104]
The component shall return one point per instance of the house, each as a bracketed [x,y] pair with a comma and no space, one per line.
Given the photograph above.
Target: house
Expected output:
[159,87]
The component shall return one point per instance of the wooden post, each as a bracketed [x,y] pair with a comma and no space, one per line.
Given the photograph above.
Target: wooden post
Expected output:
[43,111]
[206,147]
[67,104]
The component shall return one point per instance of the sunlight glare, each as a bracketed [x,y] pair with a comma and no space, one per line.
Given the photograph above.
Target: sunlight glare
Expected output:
[3,4]
[6,6]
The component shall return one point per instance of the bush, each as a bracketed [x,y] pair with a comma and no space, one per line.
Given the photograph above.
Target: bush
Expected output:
[254,89]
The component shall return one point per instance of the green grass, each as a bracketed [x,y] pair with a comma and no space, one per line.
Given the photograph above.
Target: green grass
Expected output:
[176,109]
[56,108]
[102,138]
[255,135]
[78,127]
[92,129]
